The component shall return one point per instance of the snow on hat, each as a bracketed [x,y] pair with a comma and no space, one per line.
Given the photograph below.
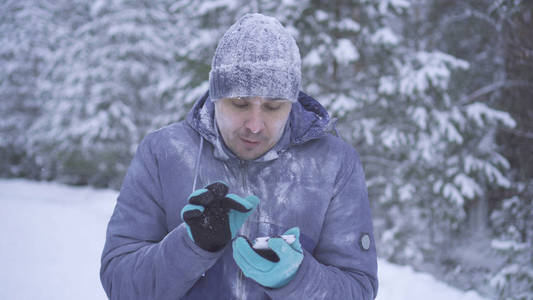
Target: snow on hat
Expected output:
[256,57]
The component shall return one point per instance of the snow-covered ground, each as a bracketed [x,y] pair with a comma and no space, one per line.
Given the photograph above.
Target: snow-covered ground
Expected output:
[53,236]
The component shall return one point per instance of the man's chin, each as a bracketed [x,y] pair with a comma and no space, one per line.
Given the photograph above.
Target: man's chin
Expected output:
[250,151]
[248,156]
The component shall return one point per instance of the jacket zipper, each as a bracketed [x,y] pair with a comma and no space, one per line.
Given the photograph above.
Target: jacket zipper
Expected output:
[243,166]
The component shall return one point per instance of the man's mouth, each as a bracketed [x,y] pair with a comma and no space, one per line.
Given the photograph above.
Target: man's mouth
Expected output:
[250,142]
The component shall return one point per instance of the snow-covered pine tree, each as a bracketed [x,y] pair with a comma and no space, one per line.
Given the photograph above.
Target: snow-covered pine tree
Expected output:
[24,28]
[481,32]
[110,77]
[511,216]
[442,139]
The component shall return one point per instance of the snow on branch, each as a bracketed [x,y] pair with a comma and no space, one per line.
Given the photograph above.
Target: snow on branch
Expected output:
[478,110]
[426,69]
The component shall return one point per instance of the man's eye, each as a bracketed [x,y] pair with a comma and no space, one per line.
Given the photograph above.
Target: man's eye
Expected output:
[240,104]
[273,107]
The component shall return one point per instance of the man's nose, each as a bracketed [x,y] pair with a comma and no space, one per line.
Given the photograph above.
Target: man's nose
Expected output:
[255,122]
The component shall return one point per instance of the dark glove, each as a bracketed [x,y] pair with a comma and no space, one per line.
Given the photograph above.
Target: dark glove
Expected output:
[213,217]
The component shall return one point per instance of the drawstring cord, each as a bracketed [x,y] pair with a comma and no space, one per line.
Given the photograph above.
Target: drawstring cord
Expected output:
[197,164]
[332,124]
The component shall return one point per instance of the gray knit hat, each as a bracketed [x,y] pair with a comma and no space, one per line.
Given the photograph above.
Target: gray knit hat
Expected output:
[256,57]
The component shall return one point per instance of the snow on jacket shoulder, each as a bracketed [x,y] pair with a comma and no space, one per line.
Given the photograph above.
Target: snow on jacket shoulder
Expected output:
[310,179]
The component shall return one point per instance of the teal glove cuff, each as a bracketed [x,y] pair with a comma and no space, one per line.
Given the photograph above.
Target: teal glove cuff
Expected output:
[237,218]
[266,272]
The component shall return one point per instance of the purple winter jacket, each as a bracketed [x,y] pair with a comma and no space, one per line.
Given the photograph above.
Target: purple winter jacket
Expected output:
[310,179]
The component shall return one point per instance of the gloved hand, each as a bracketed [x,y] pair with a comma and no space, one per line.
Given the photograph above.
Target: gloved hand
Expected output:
[213,217]
[272,270]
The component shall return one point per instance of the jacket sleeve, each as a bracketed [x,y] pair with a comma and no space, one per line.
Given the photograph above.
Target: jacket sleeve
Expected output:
[141,259]
[344,264]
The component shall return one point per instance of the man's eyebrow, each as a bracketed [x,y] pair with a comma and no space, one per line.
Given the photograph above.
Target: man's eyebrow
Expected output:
[277,99]
[238,98]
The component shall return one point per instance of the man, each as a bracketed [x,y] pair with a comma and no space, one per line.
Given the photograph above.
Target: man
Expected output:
[259,158]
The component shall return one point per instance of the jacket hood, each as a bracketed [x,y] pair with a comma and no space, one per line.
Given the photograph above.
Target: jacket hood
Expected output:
[308,120]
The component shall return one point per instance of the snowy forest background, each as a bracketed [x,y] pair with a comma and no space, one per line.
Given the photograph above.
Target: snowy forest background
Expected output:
[437,97]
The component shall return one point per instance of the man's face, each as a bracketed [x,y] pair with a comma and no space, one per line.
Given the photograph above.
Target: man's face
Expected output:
[251,126]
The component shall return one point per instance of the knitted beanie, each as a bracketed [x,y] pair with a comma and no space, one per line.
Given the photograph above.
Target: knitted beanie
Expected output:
[256,57]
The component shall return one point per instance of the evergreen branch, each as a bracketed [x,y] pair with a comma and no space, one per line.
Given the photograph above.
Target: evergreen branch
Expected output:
[492,88]
[467,15]
[378,160]
[527,135]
